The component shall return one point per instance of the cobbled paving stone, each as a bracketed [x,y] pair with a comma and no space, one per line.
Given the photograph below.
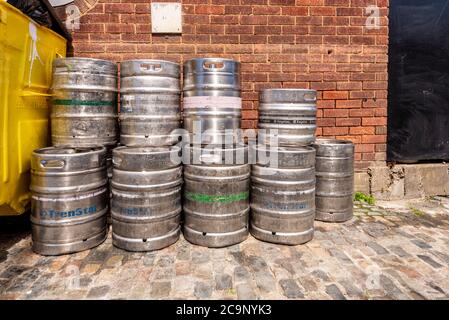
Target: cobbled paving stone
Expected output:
[386,252]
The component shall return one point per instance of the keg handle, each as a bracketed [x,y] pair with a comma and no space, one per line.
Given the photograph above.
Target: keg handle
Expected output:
[309,97]
[151,67]
[210,158]
[116,160]
[213,65]
[52,164]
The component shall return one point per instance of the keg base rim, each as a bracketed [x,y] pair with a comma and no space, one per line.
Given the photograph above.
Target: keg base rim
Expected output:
[150,141]
[334,217]
[47,249]
[151,244]
[215,240]
[285,238]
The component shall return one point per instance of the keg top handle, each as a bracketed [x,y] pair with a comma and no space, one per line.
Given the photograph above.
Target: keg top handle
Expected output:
[148,66]
[151,66]
[210,158]
[213,64]
[308,95]
[52,164]
[57,156]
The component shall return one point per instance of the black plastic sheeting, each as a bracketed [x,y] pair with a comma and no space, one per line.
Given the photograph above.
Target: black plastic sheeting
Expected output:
[42,12]
[33,9]
[418,102]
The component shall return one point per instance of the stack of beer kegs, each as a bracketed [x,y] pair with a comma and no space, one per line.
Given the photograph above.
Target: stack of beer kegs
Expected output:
[216,169]
[69,181]
[147,172]
[283,178]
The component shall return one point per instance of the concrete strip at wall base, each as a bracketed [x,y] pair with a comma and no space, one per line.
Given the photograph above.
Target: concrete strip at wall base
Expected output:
[407,181]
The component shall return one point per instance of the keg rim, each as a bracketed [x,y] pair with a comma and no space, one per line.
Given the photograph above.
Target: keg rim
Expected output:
[154,150]
[288,90]
[83,151]
[286,149]
[149,60]
[211,59]
[85,59]
[332,142]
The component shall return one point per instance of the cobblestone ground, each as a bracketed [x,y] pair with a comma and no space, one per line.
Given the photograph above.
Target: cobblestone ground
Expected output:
[394,250]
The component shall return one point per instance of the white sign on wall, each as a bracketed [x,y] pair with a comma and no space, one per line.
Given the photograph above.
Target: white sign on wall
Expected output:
[166,17]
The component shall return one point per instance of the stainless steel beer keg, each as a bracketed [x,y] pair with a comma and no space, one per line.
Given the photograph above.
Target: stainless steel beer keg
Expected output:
[335,180]
[150,102]
[84,102]
[69,199]
[146,197]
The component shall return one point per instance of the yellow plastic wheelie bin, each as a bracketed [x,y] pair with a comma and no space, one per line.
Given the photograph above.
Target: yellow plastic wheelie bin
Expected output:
[27,51]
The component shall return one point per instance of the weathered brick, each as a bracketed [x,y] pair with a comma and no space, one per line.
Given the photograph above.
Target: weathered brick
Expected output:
[318,44]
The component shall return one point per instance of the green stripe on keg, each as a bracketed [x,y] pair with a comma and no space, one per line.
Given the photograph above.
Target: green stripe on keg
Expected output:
[73,102]
[205,198]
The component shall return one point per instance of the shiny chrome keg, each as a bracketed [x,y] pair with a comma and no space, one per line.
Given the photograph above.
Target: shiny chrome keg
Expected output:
[334,180]
[69,199]
[212,103]
[84,102]
[283,196]
[216,197]
[212,77]
[146,197]
[288,115]
[150,103]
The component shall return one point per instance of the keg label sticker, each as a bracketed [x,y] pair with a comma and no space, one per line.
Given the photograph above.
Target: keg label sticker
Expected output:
[134,211]
[284,206]
[281,121]
[205,198]
[139,211]
[205,102]
[68,214]
[73,102]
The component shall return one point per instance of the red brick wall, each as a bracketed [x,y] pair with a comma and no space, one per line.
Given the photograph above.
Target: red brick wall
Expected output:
[319,44]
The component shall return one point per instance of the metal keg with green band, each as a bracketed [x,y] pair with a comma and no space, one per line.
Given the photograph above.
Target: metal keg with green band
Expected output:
[216,196]
[84,102]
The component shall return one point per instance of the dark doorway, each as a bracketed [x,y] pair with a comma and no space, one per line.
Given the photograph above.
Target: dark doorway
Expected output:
[418,102]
